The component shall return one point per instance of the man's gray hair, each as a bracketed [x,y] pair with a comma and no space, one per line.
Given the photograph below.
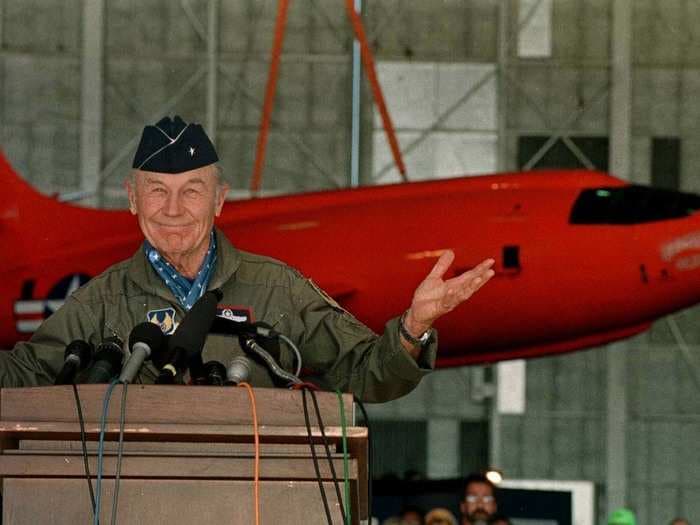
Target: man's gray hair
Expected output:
[218,173]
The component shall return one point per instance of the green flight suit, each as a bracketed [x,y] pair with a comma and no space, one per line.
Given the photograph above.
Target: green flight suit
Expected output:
[339,351]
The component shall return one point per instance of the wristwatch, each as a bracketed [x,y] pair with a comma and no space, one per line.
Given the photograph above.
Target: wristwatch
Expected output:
[421,340]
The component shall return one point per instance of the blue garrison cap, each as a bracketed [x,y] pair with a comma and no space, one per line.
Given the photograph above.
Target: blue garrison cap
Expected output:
[174,146]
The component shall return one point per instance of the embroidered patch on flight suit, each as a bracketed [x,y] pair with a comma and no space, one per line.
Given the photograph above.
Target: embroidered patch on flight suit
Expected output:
[332,302]
[239,314]
[164,318]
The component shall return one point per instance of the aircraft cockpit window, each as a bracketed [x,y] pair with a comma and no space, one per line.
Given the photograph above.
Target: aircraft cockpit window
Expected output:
[631,205]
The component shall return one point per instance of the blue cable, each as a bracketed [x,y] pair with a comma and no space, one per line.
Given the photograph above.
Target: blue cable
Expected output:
[100,451]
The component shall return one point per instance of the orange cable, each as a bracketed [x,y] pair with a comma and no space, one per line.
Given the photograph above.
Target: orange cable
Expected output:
[280,22]
[368,62]
[256,474]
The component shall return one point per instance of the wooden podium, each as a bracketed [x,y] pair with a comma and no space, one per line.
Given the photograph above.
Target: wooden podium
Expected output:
[188,456]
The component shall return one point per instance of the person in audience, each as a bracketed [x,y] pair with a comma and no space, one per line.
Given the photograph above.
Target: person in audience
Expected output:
[440,516]
[622,516]
[479,503]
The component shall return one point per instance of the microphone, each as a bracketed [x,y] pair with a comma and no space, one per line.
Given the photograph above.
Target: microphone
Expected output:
[213,373]
[108,361]
[239,370]
[144,339]
[77,357]
[186,344]
[249,343]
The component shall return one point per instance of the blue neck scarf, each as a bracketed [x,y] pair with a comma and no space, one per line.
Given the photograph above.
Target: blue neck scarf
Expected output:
[186,291]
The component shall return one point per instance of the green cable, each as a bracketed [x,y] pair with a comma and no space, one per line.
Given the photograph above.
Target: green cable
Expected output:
[346,463]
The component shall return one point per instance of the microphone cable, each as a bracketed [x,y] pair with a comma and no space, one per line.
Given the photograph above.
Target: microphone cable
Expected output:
[100,451]
[328,453]
[296,351]
[120,453]
[370,452]
[315,459]
[346,465]
[256,441]
[83,440]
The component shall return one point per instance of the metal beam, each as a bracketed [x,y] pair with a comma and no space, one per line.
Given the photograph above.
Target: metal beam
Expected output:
[443,454]
[213,68]
[290,138]
[620,162]
[561,134]
[464,98]
[92,98]
[194,21]
[356,108]
[616,426]
[503,163]
[442,118]
[2,22]
[2,63]
[503,50]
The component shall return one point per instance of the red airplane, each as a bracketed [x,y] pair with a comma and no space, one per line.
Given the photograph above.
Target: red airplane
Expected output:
[582,258]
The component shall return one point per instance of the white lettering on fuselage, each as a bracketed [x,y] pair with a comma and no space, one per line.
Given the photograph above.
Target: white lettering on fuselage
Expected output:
[672,248]
[690,262]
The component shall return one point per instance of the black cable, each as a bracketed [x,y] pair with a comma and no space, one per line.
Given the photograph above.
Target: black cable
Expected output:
[120,452]
[315,459]
[81,421]
[369,453]
[328,454]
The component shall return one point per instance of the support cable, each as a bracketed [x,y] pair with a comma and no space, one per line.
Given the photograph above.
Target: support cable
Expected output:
[280,23]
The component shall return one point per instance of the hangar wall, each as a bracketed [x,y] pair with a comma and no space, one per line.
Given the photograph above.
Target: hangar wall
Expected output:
[154,57]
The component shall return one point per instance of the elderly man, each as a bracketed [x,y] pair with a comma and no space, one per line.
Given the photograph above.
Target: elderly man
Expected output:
[176,191]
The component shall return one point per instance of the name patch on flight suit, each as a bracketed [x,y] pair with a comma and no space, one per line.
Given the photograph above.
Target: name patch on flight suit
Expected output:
[238,314]
[164,318]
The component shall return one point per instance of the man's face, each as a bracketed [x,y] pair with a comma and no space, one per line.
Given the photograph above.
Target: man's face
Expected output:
[479,503]
[176,212]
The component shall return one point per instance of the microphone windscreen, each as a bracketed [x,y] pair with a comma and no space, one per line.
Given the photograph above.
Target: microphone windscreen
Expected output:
[239,369]
[81,349]
[110,356]
[148,333]
[215,373]
[194,327]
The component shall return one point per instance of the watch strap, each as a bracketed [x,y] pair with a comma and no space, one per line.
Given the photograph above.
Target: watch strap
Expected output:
[422,340]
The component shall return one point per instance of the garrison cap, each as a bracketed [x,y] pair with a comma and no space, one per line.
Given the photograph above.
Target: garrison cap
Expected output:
[174,146]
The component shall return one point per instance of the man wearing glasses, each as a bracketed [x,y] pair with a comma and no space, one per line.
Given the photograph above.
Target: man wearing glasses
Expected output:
[479,503]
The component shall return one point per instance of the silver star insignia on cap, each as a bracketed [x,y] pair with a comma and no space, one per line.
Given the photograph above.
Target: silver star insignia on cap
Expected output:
[191,152]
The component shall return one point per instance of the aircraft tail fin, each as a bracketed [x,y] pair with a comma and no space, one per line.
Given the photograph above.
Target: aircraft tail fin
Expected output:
[18,194]
[19,197]
[22,217]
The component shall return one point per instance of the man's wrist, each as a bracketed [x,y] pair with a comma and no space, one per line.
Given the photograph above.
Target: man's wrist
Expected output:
[417,334]
[415,328]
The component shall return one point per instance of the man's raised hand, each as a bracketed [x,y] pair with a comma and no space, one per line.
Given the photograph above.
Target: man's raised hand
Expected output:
[436,296]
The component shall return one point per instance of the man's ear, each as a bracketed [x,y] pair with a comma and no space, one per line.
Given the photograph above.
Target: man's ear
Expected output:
[221,192]
[131,193]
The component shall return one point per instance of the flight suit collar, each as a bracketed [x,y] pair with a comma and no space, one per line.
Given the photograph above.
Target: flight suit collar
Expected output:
[228,261]
[143,274]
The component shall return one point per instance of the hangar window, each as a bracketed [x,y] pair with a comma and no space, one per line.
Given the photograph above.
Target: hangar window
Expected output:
[631,205]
